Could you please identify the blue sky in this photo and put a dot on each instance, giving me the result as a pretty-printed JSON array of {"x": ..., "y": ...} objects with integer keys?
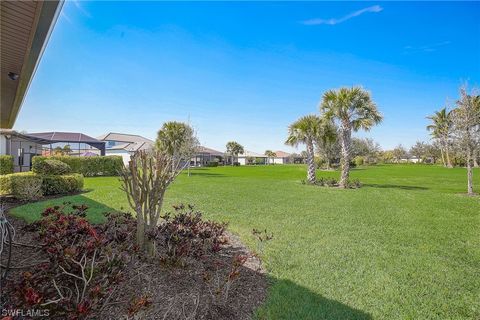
[{"x": 245, "y": 71}]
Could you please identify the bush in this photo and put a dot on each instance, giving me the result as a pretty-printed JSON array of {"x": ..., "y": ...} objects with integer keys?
[
  {"x": 83, "y": 265},
  {"x": 51, "y": 167},
  {"x": 88, "y": 166},
  {"x": 31, "y": 186},
  {"x": 21, "y": 185},
  {"x": 71, "y": 183},
  {"x": 186, "y": 234},
  {"x": 212, "y": 164},
  {"x": 236, "y": 164},
  {"x": 6, "y": 164},
  {"x": 359, "y": 160}
]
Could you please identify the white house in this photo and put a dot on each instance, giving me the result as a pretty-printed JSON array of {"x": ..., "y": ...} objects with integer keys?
[
  {"x": 250, "y": 157},
  {"x": 281, "y": 157},
  {"x": 124, "y": 145}
]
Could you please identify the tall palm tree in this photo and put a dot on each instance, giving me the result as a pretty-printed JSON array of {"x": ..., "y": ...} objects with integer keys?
[
  {"x": 354, "y": 109},
  {"x": 304, "y": 131},
  {"x": 441, "y": 129},
  {"x": 270, "y": 155},
  {"x": 234, "y": 149}
]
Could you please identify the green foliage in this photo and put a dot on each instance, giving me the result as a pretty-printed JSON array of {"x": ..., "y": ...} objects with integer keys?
[
  {"x": 359, "y": 161},
  {"x": 87, "y": 166},
  {"x": 32, "y": 186},
  {"x": 62, "y": 184},
  {"x": 50, "y": 167},
  {"x": 21, "y": 185},
  {"x": 212, "y": 164},
  {"x": 6, "y": 164}
]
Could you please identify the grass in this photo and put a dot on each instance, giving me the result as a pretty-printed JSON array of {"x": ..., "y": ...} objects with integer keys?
[{"x": 404, "y": 246}]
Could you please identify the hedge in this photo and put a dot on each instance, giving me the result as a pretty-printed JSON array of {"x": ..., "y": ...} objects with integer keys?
[
  {"x": 32, "y": 186},
  {"x": 6, "y": 164},
  {"x": 51, "y": 167},
  {"x": 88, "y": 166},
  {"x": 58, "y": 184}
]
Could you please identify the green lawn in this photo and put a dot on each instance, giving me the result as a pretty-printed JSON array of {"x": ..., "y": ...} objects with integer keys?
[{"x": 404, "y": 246}]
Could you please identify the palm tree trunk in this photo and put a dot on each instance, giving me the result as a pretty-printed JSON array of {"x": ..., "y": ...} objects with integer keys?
[
  {"x": 311, "y": 163},
  {"x": 449, "y": 164},
  {"x": 346, "y": 136},
  {"x": 469, "y": 172},
  {"x": 443, "y": 156}
]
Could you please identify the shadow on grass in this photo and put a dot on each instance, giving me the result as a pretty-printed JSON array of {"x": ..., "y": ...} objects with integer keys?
[
  {"x": 31, "y": 212},
  {"x": 288, "y": 300},
  {"x": 206, "y": 174},
  {"x": 393, "y": 186}
]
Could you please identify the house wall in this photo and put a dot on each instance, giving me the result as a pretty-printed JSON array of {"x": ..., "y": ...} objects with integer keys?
[
  {"x": 278, "y": 160},
  {"x": 22, "y": 151},
  {"x": 3, "y": 145},
  {"x": 241, "y": 160},
  {"x": 123, "y": 153}
]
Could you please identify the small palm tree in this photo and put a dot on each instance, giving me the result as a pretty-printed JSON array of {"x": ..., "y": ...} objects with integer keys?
[
  {"x": 441, "y": 129},
  {"x": 234, "y": 149},
  {"x": 326, "y": 140},
  {"x": 304, "y": 131},
  {"x": 178, "y": 140},
  {"x": 354, "y": 109},
  {"x": 270, "y": 155}
]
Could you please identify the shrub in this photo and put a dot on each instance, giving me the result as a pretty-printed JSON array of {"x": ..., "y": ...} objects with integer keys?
[
  {"x": 50, "y": 167},
  {"x": 6, "y": 164},
  {"x": 186, "y": 234},
  {"x": 236, "y": 164},
  {"x": 354, "y": 184},
  {"x": 21, "y": 185},
  {"x": 88, "y": 166},
  {"x": 71, "y": 183},
  {"x": 31, "y": 186},
  {"x": 212, "y": 164},
  {"x": 359, "y": 161},
  {"x": 81, "y": 268}
]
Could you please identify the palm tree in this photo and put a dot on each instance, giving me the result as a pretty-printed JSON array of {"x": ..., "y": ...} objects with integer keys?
[
  {"x": 354, "y": 109},
  {"x": 304, "y": 131},
  {"x": 270, "y": 154},
  {"x": 178, "y": 140},
  {"x": 326, "y": 140},
  {"x": 441, "y": 128},
  {"x": 234, "y": 149}
]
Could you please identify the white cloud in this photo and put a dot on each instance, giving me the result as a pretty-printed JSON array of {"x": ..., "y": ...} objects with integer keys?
[
  {"x": 425, "y": 48},
  {"x": 333, "y": 21}
]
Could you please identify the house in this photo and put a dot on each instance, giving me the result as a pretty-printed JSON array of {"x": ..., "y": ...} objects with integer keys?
[
  {"x": 24, "y": 146},
  {"x": 281, "y": 157},
  {"x": 125, "y": 145},
  {"x": 250, "y": 157},
  {"x": 26, "y": 28},
  {"x": 205, "y": 155}
]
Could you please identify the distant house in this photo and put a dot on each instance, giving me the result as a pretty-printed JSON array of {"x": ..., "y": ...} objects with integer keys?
[
  {"x": 281, "y": 157},
  {"x": 250, "y": 157},
  {"x": 125, "y": 145},
  {"x": 24, "y": 146},
  {"x": 205, "y": 155}
]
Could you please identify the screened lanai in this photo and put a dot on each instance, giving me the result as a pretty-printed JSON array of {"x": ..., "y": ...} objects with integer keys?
[{"x": 73, "y": 143}]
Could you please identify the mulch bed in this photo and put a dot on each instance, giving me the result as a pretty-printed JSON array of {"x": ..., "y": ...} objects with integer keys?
[{"x": 152, "y": 290}]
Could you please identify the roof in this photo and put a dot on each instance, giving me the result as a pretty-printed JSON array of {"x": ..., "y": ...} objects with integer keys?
[
  {"x": 25, "y": 29},
  {"x": 132, "y": 147},
  {"x": 65, "y": 137},
  {"x": 206, "y": 150},
  {"x": 252, "y": 154},
  {"x": 25, "y": 136},
  {"x": 282, "y": 154},
  {"x": 123, "y": 137}
]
